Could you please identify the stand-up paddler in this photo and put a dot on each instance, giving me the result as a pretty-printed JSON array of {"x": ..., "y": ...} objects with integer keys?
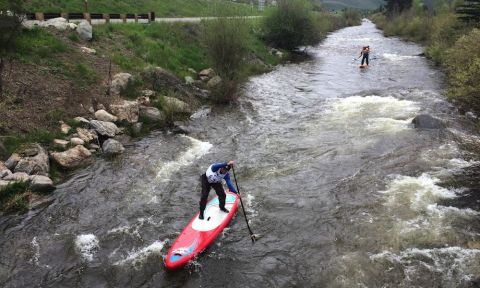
[{"x": 212, "y": 178}]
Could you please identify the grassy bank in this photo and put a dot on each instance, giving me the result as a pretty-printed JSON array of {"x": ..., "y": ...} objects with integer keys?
[
  {"x": 449, "y": 42},
  {"x": 163, "y": 8}
]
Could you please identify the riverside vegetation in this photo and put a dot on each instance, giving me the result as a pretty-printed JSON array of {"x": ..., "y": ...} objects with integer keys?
[
  {"x": 451, "y": 40},
  {"x": 159, "y": 71}
]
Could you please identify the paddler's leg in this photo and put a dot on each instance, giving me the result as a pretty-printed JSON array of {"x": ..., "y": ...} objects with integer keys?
[
  {"x": 205, "y": 191},
  {"x": 221, "y": 196}
]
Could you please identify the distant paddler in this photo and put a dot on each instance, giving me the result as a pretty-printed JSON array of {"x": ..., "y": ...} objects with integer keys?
[{"x": 365, "y": 52}]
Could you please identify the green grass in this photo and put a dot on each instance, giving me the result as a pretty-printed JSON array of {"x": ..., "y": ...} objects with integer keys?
[
  {"x": 14, "y": 197},
  {"x": 42, "y": 136},
  {"x": 162, "y": 8}
]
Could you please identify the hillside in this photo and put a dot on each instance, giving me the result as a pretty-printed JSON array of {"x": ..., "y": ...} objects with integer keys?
[
  {"x": 163, "y": 8},
  {"x": 357, "y": 4}
]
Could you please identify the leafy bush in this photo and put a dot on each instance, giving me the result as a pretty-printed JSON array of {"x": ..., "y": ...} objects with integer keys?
[
  {"x": 290, "y": 25},
  {"x": 463, "y": 67}
]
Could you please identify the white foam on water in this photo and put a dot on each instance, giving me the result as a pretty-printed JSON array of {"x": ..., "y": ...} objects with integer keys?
[
  {"x": 372, "y": 113},
  {"x": 137, "y": 257},
  {"x": 87, "y": 246},
  {"x": 415, "y": 192},
  {"x": 396, "y": 57},
  {"x": 133, "y": 230},
  {"x": 455, "y": 265},
  {"x": 36, "y": 252},
  {"x": 197, "y": 150}
]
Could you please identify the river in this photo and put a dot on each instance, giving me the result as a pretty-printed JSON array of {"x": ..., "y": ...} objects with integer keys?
[{"x": 341, "y": 188}]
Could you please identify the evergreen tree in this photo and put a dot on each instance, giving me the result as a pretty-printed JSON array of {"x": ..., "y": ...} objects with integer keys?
[
  {"x": 470, "y": 11},
  {"x": 394, "y": 7}
]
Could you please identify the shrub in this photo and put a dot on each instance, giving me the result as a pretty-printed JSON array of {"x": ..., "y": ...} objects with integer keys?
[
  {"x": 463, "y": 67},
  {"x": 290, "y": 25}
]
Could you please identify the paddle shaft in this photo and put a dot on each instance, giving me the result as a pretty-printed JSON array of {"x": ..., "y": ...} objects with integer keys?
[{"x": 243, "y": 209}]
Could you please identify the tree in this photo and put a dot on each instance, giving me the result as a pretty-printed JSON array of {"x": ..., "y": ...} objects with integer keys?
[
  {"x": 11, "y": 17},
  {"x": 397, "y": 6},
  {"x": 469, "y": 11}
]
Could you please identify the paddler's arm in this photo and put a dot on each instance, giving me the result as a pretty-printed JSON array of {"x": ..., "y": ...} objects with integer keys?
[
  {"x": 217, "y": 166},
  {"x": 229, "y": 183}
]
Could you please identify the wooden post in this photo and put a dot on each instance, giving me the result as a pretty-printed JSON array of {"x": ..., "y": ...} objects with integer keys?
[
  {"x": 106, "y": 17},
  {"x": 64, "y": 15},
  {"x": 123, "y": 17},
  {"x": 87, "y": 15},
  {"x": 136, "y": 18},
  {"x": 39, "y": 16}
]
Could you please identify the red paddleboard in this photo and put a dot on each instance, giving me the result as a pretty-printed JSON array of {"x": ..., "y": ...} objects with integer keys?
[
  {"x": 363, "y": 66},
  {"x": 199, "y": 234}
]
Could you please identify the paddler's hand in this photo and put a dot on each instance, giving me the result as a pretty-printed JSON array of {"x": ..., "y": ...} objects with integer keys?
[{"x": 230, "y": 163}]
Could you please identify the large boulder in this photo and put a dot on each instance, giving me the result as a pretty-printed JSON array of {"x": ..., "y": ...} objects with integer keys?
[
  {"x": 425, "y": 121},
  {"x": 103, "y": 115},
  {"x": 41, "y": 184},
  {"x": 18, "y": 176},
  {"x": 12, "y": 161},
  {"x": 126, "y": 111},
  {"x": 175, "y": 105},
  {"x": 120, "y": 81},
  {"x": 112, "y": 147},
  {"x": 151, "y": 114},
  {"x": 33, "y": 160},
  {"x": 72, "y": 157},
  {"x": 4, "y": 171},
  {"x": 59, "y": 23},
  {"x": 206, "y": 74},
  {"x": 60, "y": 143},
  {"x": 85, "y": 30},
  {"x": 87, "y": 135},
  {"x": 107, "y": 129}
]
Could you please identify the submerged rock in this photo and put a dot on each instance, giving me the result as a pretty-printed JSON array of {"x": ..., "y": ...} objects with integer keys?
[
  {"x": 112, "y": 147},
  {"x": 425, "y": 121}
]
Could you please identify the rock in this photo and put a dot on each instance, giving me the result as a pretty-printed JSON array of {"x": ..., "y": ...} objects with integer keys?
[
  {"x": 180, "y": 128},
  {"x": 206, "y": 74},
  {"x": 81, "y": 120},
  {"x": 87, "y": 135},
  {"x": 34, "y": 160},
  {"x": 144, "y": 101},
  {"x": 4, "y": 171},
  {"x": 189, "y": 80},
  {"x": 100, "y": 106},
  {"x": 214, "y": 82},
  {"x": 77, "y": 141},
  {"x": 126, "y": 111},
  {"x": 41, "y": 184},
  {"x": 65, "y": 128},
  {"x": 85, "y": 30},
  {"x": 58, "y": 23},
  {"x": 59, "y": 143},
  {"x": 12, "y": 161},
  {"x": 88, "y": 50},
  {"x": 103, "y": 115},
  {"x": 112, "y": 147},
  {"x": 94, "y": 146},
  {"x": 151, "y": 114},
  {"x": 72, "y": 157},
  {"x": 472, "y": 116},
  {"x": 18, "y": 176},
  {"x": 163, "y": 80},
  {"x": 120, "y": 81},
  {"x": 148, "y": 93},
  {"x": 72, "y": 26},
  {"x": 178, "y": 106},
  {"x": 425, "y": 121},
  {"x": 103, "y": 128}
]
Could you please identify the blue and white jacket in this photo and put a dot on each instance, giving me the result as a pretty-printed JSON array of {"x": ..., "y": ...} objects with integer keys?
[{"x": 214, "y": 176}]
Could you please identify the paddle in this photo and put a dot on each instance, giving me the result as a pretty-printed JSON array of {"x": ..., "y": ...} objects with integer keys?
[{"x": 252, "y": 236}]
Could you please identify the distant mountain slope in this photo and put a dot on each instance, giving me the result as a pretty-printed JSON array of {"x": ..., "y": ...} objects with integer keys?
[
  {"x": 358, "y": 4},
  {"x": 162, "y": 8}
]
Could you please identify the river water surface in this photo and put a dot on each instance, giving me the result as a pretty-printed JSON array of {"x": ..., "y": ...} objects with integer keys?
[{"x": 341, "y": 188}]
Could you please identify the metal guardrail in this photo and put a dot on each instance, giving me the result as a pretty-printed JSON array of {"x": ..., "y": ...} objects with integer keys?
[{"x": 92, "y": 16}]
